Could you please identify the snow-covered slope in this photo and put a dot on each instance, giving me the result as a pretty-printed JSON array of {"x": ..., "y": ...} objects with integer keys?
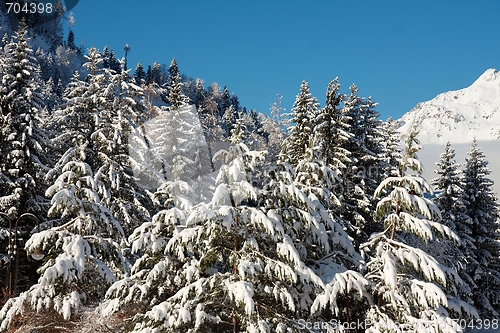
[{"x": 458, "y": 116}]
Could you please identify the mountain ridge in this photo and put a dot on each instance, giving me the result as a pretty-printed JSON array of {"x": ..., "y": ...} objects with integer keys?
[{"x": 459, "y": 116}]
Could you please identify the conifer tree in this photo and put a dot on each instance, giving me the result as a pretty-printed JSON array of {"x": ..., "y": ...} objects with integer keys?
[
  {"x": 175, "y": 96},
  {"x": 82, "y": 248},
  {"x": 155, "y": 275},
  {"x": 156, "y": 75},
  {"x": 140, "y": 75},
  {"x": 233, "y": 250},
  {"x": 71, "y": 40},
  {"x": 200, "y": 93},
  {"x": 117, "y": 107},
  {"x": 347, "y": 138},
  {"x": 333, "y": 129},
  {"x": 23, "y": 161},
  {"x": 450, "y": 199},
  {"x": 482, "y": 208},
  {"x": 149, "y": 75},
  {"x": 225, "y": 101},
  {"x": 302, "y": 200},
  {"x": 72, "y": 118},
  {"x": 410, "y": 288},
  {"x": 114, "y": 64},
  {"x": 451, "y": 195},
  {"x": 365, "y": 143},
  {"x": 229, "y": 118},
  {"x": 390, "y": 154},
  {"x": 106, "y": 109},
  {"x": 105, "y": 57},
  {"x": 303, "y": 117}
]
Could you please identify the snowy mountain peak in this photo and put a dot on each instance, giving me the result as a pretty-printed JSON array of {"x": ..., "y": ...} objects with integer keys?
[
  {"x": 490, "y": 75},
  {"x": 459, "y": 116}
]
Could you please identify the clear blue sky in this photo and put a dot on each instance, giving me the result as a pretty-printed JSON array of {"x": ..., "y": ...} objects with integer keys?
[{"x": 398, "y": 52}]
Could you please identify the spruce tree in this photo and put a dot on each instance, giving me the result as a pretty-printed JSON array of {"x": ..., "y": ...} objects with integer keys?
[
  {"x": 229, "y": 118},
  {"x": 83, "y": 255},
  {"x": 140, "y": 75},
  {"x": 200, "y": 93},
  {"x": 105, "y": 57},
  {"x": 71, "y": 40},
  {"x": 482, "y": 208},
  {"x": 333, "y": 129},
  {"x": 301, "y": 199},
  {"x": 365, "y": 144},
  {"x": 450, "y": 198},
  {"x": 175, "y": 96},
  {"x": 410, "y": 287},
  {"x": 116, "y": 105},
  {"x": 156, "y": 75},
  {"x": 149, "y": 75},
  {"x": 239, "y": 271},
  {"x": 390, "y": 154},
  {"x": 114, "y": 64},
  {"x": 156, "y": 276},
  {"x": 23, "y": 160},
  {"x": 225, "y": 101},
  {"x": 106, "y": 108},
  {"x": 353, "y": 137},
  {"x": 303, "y": 117}
]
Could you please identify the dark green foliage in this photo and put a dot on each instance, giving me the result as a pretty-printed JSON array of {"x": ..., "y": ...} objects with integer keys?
[
  {"x": 140, "y": 75},
  {"x": 303, "y": 119},
  {"x": 482, "y": 208}
]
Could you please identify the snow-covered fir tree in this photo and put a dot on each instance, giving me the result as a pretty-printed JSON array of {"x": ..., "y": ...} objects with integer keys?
[
  {"x": 366, "y": 140},
  {"x": 366, "y": 146},
  {"x": 242, "y": 272},
  {"x": 390, "y": 155},
  {"x": 350, "y": 140},
  {"x": 140, "y": 75},
  {"x": 301, "y": 198},
  {"x": 83, "y": 248},
  {"x": 72, "y": 118},
  {"x": 22, "y": 157},
  {"x": 303, "y": 119},
  {"x": 175, "y": 97},
  {"x": 333, "y": 129},
  {"x": 450, "y": 199},
  {"x": 450, "y": 196},
  {"x": 410, "y": 288},
  {"x": 229, "y": 119},
  {"x": 483, "y": 209},
  {"x": 157, "y": 274},
  {"x": 116, "y": 105}
]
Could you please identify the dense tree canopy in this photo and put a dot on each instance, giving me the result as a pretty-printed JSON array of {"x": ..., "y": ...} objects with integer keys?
[{"x": 159, "y": 194}]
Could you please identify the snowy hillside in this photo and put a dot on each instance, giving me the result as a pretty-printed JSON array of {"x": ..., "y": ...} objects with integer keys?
[{"x": 458, "y": 116}]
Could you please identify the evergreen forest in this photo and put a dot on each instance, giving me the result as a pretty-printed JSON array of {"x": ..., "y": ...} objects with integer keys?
[{"x": 152, "y": 198}]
